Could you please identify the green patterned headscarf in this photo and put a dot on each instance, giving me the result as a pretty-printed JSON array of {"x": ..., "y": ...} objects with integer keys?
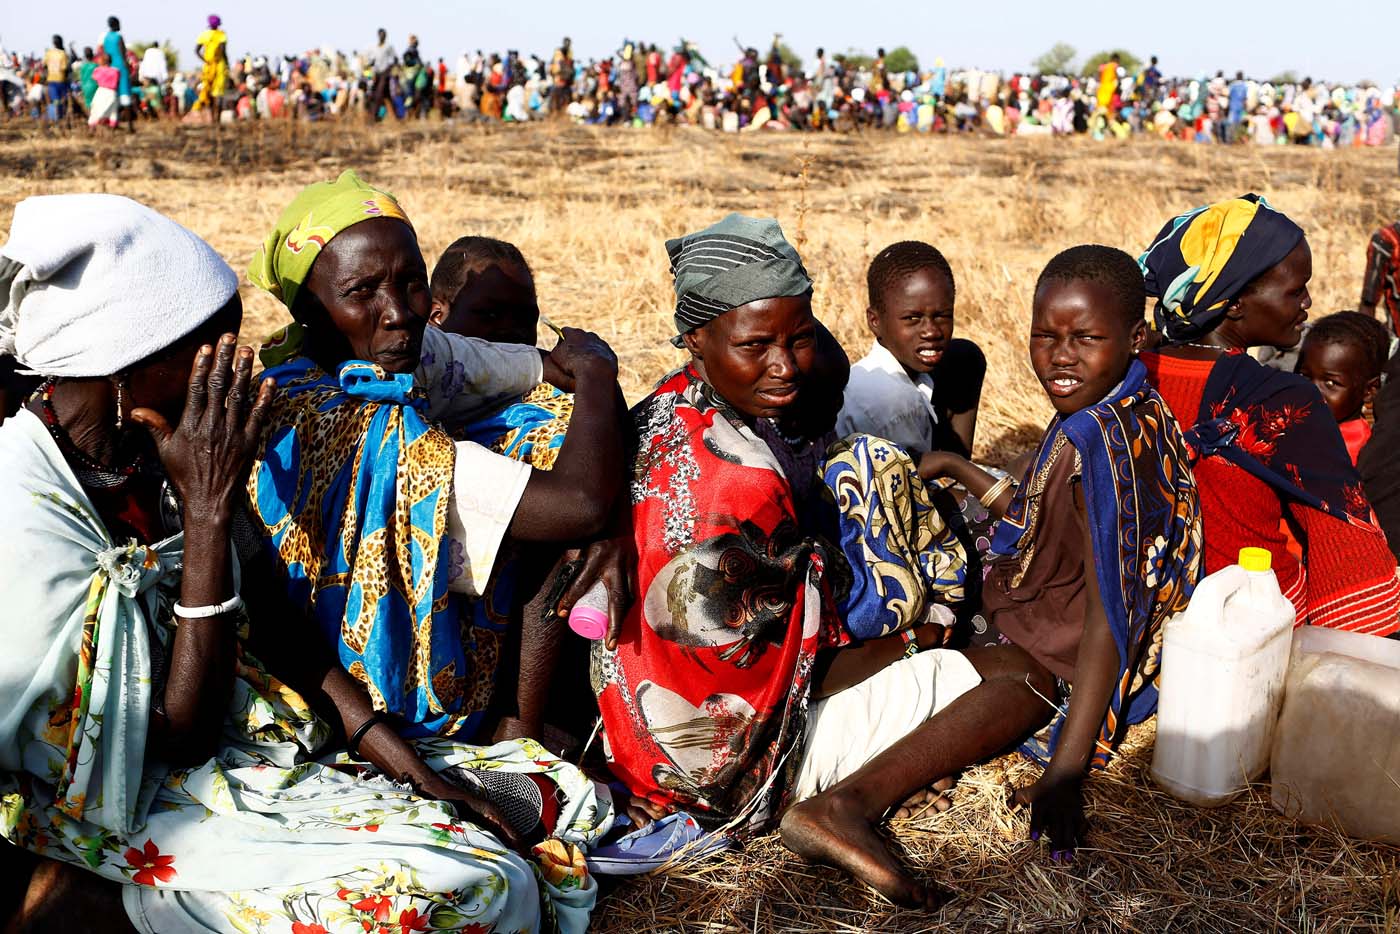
[{"x": 304, "y": 228}]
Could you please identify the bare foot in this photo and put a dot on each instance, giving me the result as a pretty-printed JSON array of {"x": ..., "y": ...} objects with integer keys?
[
  {"x": 926, "y": 799},
  {"x": 820, "y": 830}
]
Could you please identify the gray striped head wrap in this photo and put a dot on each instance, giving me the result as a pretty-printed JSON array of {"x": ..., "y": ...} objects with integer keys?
[{"x": 736, "y": 261}]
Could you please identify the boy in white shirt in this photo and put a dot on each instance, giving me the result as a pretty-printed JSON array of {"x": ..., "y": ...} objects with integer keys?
[{"x": 917, "y": 387}]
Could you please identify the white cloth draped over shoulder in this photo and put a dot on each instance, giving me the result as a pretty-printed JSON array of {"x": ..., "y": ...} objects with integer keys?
[
  {"x": 264, "y": 836},
  {"x": 466, "y": 378}
]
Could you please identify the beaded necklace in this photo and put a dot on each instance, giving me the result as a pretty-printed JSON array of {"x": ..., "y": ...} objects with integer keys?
[{"x": 89, "y": 471}]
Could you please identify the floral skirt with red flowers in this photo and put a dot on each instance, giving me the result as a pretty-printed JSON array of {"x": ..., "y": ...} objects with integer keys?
[
  {"x": 246, "y": 842},
  {"x": 278, "y": 832}
]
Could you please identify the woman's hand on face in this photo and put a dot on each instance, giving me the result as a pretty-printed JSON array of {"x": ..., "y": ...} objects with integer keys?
[
  {"x": 612, "y": 561},
  {"x": 578, "y": 354},
  {"x": 208, "y": 454},
  {"x": 1057, "y": 808}
]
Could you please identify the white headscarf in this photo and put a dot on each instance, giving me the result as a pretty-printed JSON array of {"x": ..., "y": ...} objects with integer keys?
[{"x": 94, "y": 283}]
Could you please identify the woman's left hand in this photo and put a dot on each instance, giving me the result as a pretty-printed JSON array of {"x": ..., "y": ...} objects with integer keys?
[
  {"x": 208, "y": 454},
  {"x": 1057, "y": 808},
  {"x": 612, "y": 561}
]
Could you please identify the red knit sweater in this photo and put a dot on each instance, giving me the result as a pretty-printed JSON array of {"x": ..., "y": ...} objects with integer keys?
[{"x": 1347, "y": 578}]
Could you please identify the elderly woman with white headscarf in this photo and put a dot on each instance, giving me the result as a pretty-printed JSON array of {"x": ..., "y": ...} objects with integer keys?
[{"x": 140, "y": 739}]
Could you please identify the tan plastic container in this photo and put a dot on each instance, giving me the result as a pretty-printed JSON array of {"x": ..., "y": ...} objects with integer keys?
[{"x": 1336, "y": 755}]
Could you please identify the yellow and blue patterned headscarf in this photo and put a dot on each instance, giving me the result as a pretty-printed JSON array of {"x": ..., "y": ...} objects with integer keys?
[
  {"x": 303, "y": 229},
  {"x": 1203, "y": 259}
]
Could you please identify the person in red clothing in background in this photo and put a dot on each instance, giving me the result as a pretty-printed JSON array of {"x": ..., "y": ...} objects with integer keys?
[
  {"x": 1269, "y": 456},
  {"x": 1343, "y": 356}
]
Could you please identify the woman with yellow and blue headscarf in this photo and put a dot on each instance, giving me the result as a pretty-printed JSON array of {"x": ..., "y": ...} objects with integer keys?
[{"x": 1270, "y": 462}]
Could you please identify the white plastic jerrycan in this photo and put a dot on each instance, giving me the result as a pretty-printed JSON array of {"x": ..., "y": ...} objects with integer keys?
[
  {"x": 1223, "y": 665},
  {"x": 1336, "y": 754}
]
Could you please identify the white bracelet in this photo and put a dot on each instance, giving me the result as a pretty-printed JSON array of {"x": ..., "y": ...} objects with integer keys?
[{"x": 214, "y": 609}]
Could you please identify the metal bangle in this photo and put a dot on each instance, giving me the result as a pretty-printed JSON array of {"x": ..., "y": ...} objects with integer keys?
[
  {"x": 353, "y": 745},
  {"x": 995, "y": 491}
]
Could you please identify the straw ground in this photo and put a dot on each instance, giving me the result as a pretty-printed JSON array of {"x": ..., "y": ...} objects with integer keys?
[{"x": 590, "y": 209}]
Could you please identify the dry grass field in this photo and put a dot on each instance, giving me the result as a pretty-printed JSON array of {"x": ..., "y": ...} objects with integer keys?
[{"x": 590, "y": 209}]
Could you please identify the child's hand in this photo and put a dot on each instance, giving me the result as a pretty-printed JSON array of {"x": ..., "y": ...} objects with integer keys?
[{"x": 1057, "y": 808}]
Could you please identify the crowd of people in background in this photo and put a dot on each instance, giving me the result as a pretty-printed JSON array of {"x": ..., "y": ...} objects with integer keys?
[{"x": 641, "y": 84}]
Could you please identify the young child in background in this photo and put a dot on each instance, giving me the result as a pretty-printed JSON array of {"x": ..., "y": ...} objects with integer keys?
[
  {"x": 483, "y": 287},
  {"x": 1343, "y": 356},
  {"x": 918, "y": 386}
]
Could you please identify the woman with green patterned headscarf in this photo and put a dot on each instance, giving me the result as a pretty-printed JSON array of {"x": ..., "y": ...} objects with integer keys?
[
  {"x": 387, "y": 530},
  {"x": 379, "y": 519}
]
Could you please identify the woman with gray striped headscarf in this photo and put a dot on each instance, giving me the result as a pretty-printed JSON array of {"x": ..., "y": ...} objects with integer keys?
[{"x": 764, "y": 545}]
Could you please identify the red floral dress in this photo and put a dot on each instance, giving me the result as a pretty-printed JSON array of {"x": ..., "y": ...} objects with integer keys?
[
  {"x": 1273, "y": 472},
  {"x": 704, "y": 700}
]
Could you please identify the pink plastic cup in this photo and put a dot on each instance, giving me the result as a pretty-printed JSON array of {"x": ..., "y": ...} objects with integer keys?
[{"x": 588, "y": 622}]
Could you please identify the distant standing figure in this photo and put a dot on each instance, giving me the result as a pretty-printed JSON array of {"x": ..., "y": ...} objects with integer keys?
[
  {"x": 1108, "y": 82},
  {"x": 115, "y": 47},
  {"x": 153, "y": 66},
  {"x": 56, "y": 67},
  {"x": 212, "y": 49},
  {"x": 384, "y": 60},
  {"x": 107, "y": 79},
  {"x": 85, "y": 80}
]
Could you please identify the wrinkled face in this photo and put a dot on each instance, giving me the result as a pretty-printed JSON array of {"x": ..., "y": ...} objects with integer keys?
[
  {"x": 915, "y": 322},
  {"x": 497, "y": 304},
  {"x": 1339, "y": 373},
  {"x": 162, "y": 380},
  {"x": 1273, "y": 309},
  {"x": 1081, "y": 343},
  {"x": 756, "y": 356},
  {"x": 370, "y": 287}
]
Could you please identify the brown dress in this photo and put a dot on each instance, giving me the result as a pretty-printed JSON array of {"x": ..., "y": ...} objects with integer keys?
[{"x": 1035, "y": 599}]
